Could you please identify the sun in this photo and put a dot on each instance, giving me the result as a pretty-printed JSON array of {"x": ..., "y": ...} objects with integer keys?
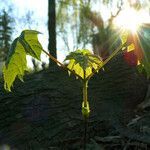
[{"x": 128, "y": 19}]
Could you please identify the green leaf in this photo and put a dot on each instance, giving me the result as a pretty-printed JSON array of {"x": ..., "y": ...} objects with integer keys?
[
  {"x": 82, "y": 62},
  {"x": 29, "y": 40},
  {"x": 16, "y": 64},
  {"x": 124, "y": 37},
  {"x": 144, "y": 34}
]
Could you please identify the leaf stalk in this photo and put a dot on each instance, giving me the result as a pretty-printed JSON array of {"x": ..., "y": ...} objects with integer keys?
[
  {"x": 62, "y": 65},
  {"x": 107, "y": 60}
]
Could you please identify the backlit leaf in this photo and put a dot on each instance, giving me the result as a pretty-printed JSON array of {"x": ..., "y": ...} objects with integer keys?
[
  {"x": 30, "y": 41},
  {"x": 16, "y": 64},
  {"x": 124, "y": 37},
  {"x": 82, "y": 62},
  {"x": 131, "y": 47}
]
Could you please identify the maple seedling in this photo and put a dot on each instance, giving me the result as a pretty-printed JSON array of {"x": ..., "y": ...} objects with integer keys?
[{"x": 81, "y": 63}]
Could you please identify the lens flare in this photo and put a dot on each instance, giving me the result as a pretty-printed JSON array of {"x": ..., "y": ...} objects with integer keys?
[{"x": 128, "y": 19}]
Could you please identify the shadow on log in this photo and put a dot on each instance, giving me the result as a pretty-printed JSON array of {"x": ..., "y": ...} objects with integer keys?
[{"x": 45, "y": 110}]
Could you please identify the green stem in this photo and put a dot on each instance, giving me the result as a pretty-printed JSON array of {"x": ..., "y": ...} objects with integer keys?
[
  {"x": 85, "y": 104},
  {"x": 85, "y": 132},
  {"x": 85, "y": 111},
  {"x": 107, "y": 60},
  {"x": 54, "y": 59},
  {"x": 62, "y": 65},
  {"x": 85, "y": 85}
]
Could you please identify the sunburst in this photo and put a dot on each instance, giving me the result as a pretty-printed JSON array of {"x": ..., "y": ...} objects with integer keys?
[{"x": 128, "y": 19}]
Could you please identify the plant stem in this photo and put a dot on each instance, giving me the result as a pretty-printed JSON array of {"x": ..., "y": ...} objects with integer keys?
[
  {"x": 85, "y": 86},
  {"x": 62, "y": 65},
  {"x": 85, "y": 100},
  {"x": 85, "y": 132},
  {"x": 54, "y": 59},
  {"x": 106, "y": 61}
]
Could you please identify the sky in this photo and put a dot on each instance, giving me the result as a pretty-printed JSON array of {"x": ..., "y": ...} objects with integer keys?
[
  {"x": 40, "y": 12},
  {"x": 39, "y": 9}
]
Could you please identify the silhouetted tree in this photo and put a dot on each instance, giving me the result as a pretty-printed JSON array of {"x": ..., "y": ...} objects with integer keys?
[
  {"x": 52, "y": 29},
  {"x": 5, "y": 34}
]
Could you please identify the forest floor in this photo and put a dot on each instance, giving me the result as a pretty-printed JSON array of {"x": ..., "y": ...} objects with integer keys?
[{"x": 44, "y": 112}]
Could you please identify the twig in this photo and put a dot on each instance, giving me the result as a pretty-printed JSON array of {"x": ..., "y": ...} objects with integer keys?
[
  {"x": 106, "y": 61},
  {"x": 62, "y": 65}
]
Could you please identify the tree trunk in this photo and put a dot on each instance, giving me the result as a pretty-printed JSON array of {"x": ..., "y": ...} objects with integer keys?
[{"x": 52, "y": 30}]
